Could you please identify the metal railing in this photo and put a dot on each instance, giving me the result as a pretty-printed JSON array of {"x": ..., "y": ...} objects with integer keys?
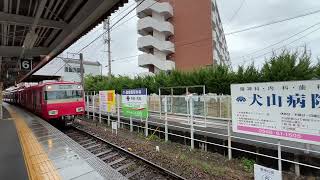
[{"x": 207, "y": 114}]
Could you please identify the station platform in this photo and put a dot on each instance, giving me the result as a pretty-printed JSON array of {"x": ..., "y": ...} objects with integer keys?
[
  {"x": 12, "y": 164},
  {"x": 31, "y": 148}
]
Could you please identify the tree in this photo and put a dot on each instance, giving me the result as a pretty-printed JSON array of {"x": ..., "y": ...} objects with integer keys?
[
  {"x": 288, "y": 66},
  {"x": 285, "y": 66},
  {"x": 317, "y": 70}
]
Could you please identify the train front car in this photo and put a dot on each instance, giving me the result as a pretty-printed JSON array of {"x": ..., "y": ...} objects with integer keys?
[{"x": 63, "y": 102}]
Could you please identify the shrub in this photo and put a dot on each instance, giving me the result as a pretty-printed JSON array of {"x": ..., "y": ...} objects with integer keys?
[{"x": 285, "y": 66}]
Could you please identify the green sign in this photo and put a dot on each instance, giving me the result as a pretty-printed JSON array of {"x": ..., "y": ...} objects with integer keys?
[{"x": 134, "y": 103}]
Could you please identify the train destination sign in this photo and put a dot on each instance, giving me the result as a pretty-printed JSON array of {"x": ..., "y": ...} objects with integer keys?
[
  {"x": 134, "y": 103},
  {"x": 65, "y": 86},
  {"x": 283, "y": 110}
]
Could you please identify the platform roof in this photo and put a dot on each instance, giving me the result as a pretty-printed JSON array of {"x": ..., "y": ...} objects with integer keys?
[{"x": 42, "y": 29}]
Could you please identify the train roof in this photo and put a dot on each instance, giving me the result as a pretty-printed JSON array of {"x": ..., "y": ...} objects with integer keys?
[
  {"x": 39, "y": 85},
  {"x": 58, "y": 82},
  {"x": 51, "y": 83}
]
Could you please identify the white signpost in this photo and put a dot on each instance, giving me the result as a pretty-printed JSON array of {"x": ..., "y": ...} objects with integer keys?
[
  {"x": 264, "y": 173},
  {"x": 282, "y": 110},
  {"x": 114, "y": 126}
]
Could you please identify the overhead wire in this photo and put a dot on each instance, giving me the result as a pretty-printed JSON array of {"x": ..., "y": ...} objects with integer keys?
[
  {"x": 279, "y": 42},
  {"x": 114, "y": 24},
  {"x": 254, "y": 58},
  {"x": 236, "y": 12},
  {"x": 130, "y": 18},
  {"x": 200, "y": 40},
  {"x": 271, "y": 23},
  {"x": 234, "y": 32},
  {"x": 129, "y": 6},
  {"x": 174, "y": 46},
  {"x": 107, "y": 30}
]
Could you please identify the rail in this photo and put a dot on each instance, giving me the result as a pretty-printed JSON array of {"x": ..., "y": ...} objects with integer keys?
[{"x": 112, "y": 149}]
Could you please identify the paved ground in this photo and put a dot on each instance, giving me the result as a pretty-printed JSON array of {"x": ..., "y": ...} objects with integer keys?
[{"x": 12, "y": 165}]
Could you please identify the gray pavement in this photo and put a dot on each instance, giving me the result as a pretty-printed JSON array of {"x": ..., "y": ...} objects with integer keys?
[{"x": 12, "y": 165}]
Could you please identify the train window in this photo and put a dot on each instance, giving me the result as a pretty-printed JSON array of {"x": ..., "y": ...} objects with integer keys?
[{"x": 67, "y": 94}]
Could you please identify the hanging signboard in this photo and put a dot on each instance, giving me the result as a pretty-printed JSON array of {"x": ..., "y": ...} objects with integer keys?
[
  {"x": 107, "y": 100},
  {"x": 26, "y": 64},
  {"x": 134, "y": 103},
  {"x": 283, "y": 110}
]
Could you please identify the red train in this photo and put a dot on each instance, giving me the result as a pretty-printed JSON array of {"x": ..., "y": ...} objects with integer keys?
[{"x": 52, "y": 101}]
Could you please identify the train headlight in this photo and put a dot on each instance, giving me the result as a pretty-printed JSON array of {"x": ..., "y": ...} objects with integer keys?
[
  {"x": 52, "y": 112},
  {"x": 79, "y": 109}
]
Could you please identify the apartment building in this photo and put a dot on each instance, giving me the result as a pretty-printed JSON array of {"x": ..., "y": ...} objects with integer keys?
[{"x": 180, "y": 34}]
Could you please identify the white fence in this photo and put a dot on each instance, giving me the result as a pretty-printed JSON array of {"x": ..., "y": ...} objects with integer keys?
[{"x": 208, "y": 115}]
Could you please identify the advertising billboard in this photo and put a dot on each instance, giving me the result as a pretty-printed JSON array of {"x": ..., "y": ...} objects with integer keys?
[
  {"x": 134, "y": 103},
  {"x": 283, "y": 110},
  {"x": 107, "y": 100}
]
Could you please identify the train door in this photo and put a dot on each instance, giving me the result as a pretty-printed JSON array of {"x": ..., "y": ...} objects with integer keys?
[
  {"x": 34, "y": 100},
  {"x": 40, "y": 100}
]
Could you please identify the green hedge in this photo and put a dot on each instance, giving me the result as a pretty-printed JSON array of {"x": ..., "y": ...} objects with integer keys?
[{"x": 285, "y": 66}]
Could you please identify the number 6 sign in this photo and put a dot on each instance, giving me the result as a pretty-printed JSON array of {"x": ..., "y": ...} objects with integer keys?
[{"x": 26, "y": 64}]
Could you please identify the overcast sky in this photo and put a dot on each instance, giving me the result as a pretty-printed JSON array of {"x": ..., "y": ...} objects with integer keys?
[{"x": 252, "y": 12}]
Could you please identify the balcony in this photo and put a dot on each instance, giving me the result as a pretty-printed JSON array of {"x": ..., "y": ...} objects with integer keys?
[
  {"x": 148, "y": 59},
  {"x": 147, "y": 42},
  {"x": 148, "y": 24},
  {"x": 149, "y": 6}
]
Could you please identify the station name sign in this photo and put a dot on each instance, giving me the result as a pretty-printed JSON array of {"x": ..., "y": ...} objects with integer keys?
[{"x": 283, "y": 110}]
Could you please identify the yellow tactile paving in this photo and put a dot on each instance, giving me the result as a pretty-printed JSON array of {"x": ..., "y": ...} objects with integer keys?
[{"x": 37, "y": 162}]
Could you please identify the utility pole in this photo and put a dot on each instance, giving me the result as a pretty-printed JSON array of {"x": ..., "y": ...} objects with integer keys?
[
  {"x": 81, "y": 70},
  {"x": 107, "y": 40}
]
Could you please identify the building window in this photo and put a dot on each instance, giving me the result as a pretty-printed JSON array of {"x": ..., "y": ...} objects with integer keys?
[{"x": 72, "y": 69}]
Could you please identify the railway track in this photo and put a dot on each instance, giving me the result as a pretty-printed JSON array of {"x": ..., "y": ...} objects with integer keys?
[{"x": 123, "y": 161}]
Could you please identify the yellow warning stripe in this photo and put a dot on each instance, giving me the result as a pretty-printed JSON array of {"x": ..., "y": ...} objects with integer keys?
[{"x": 38, "y": 164}]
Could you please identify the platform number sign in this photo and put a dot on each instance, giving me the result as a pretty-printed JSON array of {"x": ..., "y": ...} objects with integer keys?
[{"x": 26, "y": 64}]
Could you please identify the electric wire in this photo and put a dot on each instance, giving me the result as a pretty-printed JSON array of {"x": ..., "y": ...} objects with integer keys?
[
  {"x": 279, "y": 42},
  {"x": 254, "y": 58},
  {"x": 234, "y": 32},
  {"x": 107, "y": 30},
  {"x": 200, "y": 40},
  {"x": 114, "y": 25},
  {"x": 129, "y": 6},
  {"x": 271, "y": 23},
  {"x": 236, "y": 12},
  {"x": 204, "y": 39}
]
